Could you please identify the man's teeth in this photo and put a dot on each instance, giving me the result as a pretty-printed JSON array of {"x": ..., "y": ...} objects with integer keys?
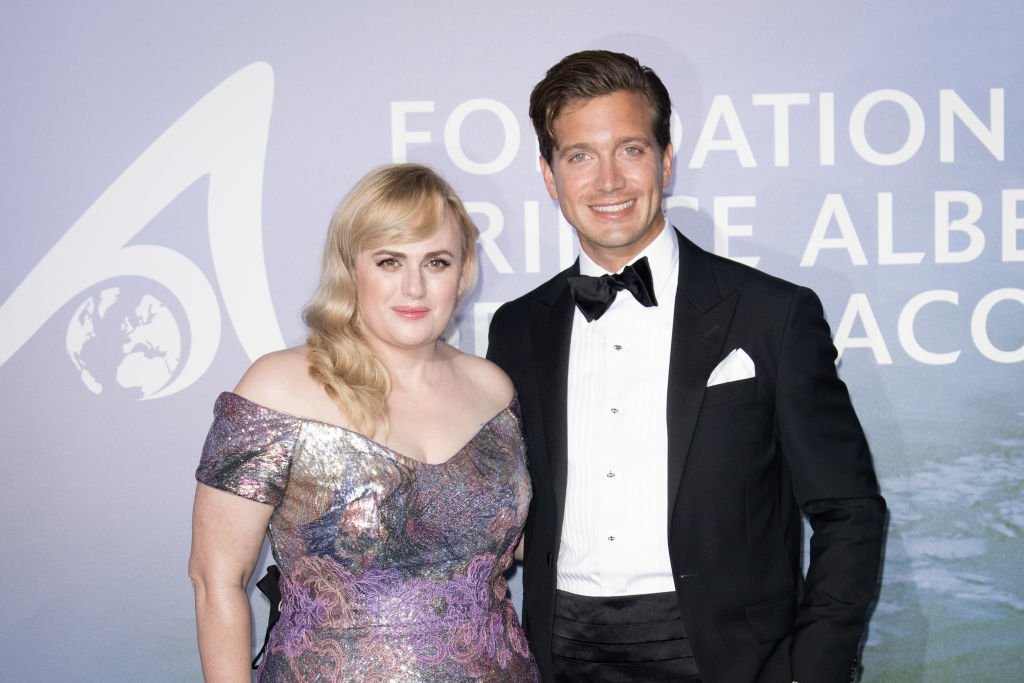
[{"x": 614, "y": 207}]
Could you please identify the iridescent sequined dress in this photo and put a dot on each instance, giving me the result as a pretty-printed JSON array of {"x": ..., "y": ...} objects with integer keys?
[{"x": 392, "y": 569}]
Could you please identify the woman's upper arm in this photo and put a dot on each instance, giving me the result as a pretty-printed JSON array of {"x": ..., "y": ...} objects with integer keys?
[{"x": 227, "y": 535}]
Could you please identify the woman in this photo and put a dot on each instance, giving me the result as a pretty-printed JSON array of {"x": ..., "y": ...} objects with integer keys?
[{"x": 387, "y": 468}]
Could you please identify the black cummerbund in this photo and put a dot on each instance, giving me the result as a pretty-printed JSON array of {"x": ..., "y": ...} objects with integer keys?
[{"x": 627, "y": 638}]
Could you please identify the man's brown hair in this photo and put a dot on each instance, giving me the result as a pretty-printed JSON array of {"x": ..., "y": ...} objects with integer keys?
[{"x": 585, "y": 75}]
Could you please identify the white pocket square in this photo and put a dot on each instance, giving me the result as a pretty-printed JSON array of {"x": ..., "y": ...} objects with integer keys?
[{"x": 736, "y": 366}]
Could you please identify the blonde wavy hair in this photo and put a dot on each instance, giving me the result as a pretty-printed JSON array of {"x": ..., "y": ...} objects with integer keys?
[{"x": 393, "y": 204}]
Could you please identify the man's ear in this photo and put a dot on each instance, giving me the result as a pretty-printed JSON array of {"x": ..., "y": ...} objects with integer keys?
[
  {"x": 549, "y": 178},
  {"x": 666, "y": 166}
]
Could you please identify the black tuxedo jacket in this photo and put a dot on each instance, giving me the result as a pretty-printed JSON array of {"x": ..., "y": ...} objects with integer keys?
[{"x": 745, "y": 460}]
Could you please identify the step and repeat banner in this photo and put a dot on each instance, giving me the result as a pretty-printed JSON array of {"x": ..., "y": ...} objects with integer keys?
[{"x": 168, "y": 171}]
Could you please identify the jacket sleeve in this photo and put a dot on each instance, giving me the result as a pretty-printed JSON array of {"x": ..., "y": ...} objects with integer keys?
[
  {"x": 835, "y": 485},
  {"x": 500, "y": 339}
]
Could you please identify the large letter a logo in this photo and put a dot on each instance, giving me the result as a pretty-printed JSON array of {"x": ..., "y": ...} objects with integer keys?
[{"x": 223, "y": 135}]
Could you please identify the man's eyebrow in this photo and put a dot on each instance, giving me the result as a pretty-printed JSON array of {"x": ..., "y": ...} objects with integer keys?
[
  {"x": 644, "y": 140},
  {"x": 577, "y": 147}
]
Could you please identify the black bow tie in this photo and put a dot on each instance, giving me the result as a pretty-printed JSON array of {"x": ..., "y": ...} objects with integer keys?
[{"x": 594, "y": 295}]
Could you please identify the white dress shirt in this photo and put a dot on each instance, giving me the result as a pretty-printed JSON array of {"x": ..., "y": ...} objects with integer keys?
[{"x": 615, "y": 533}]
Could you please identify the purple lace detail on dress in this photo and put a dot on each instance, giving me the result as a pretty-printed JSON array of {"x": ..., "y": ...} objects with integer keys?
[{"x": 392, "y": 569}]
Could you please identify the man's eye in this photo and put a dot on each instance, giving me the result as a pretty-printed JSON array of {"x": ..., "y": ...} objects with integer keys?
[
  {"x": 633, "y": 150},
  {"x": 579, "y": 156}
]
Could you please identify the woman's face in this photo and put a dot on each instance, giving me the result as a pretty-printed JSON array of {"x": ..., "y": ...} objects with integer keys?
[{"x": 406, "y": 292}]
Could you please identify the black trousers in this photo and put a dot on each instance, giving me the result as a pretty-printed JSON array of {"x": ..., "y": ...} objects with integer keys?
[{"x": 629, "y": 638}]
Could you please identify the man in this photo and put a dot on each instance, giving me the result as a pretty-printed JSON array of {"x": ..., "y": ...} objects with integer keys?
[{"x": 677, "y": 434}]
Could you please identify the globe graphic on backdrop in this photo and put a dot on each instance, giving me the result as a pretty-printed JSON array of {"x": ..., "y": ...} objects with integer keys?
[{"x": 124, "y": 340}]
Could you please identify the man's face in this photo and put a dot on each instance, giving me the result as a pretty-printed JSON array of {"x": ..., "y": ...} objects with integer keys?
[{"x": 607, "y": 174}]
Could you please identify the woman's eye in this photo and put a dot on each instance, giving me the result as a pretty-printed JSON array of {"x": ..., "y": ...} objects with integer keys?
[
  {"x": 389, "y": 262},
  {"x": 438, "y": 263}
]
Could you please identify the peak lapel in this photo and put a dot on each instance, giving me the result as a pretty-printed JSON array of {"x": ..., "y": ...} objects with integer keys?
[
  {"x": 550, "y": 333},
  {"x": 701, "y": 321}
]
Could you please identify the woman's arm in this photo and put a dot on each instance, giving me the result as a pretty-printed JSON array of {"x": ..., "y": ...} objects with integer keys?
[{"x": 227, "y": 536}]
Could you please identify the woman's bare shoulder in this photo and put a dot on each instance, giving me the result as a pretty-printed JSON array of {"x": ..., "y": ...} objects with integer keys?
[
  {"x": 486, "y": 381},
  {"x": 280, "y": 380}
]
